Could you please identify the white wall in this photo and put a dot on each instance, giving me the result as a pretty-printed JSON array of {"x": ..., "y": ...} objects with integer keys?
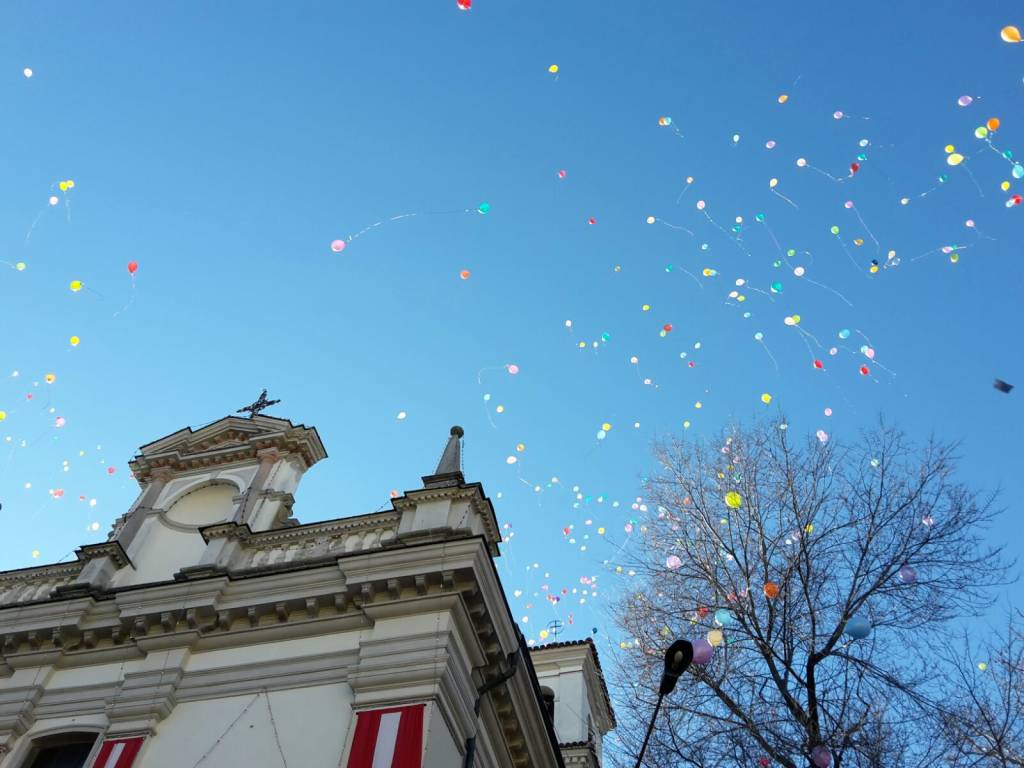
[
  {"x": 441, "y": 750},
  {"x": 312, "y": 724}
]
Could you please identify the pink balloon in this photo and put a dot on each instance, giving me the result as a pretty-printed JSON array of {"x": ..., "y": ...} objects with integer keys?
[
  {"x": 562, "y": 174},
  {"x": 700, "y": 205},
  {"x": 60, "y": 422},
  {"x": 672, "y": 562},
  {"x": 512, "y": 368},
  {"x": 337, "y": 246},
  {"x": 965, "y": 101},
  {"x": 848, "y": 204}
]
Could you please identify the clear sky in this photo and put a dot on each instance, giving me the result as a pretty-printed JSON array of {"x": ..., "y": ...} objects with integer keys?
[{"x": 224, "y": 146}]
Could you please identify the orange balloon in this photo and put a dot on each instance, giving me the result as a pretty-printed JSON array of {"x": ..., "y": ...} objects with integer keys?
[
  {"x": 993, "y": 124},
  {"x": 771, "y": 589}
]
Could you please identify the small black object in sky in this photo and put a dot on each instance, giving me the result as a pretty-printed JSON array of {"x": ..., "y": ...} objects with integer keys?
[{"x": 1002, "y": 386}]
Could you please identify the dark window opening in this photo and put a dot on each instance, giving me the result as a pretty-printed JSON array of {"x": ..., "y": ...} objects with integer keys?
[{"x": 65, "y": 750}]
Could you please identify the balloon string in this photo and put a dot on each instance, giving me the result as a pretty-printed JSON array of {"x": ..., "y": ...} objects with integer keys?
[
  {"x": 131, "y": 300},
  {"x": 675, "y": 226},
  {"x": 688, "y": 185},
  {"x": 769, "y": 353},
  {"x": 833, "y": 290},
  {"x": 848, "y": 254},
  {"x": 871, "y": 234},
  {"x": 779, "y": 194}
]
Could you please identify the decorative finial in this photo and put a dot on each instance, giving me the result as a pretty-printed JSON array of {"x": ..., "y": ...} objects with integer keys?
[
  {"x": 449, "y": 468},
  {"x": 261, "y": 404}
]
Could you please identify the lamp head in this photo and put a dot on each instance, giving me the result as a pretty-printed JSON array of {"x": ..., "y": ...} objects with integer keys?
[{"x": 677, "y": 659}]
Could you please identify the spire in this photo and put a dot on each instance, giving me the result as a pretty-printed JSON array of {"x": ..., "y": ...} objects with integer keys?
[{"x": 449, "y": 468}]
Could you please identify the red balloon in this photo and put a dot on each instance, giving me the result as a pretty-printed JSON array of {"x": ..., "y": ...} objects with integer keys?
[
  {"x": 133, "y": 267},
  {"x": 591, "y": 220},
  {"x": 864, "y": 370},
  {"x": 667, "y": 327},
  {"x": 818, "y": 364},
  {"x": 464, "y": 5},
  {"x": 854, "y": 167}
]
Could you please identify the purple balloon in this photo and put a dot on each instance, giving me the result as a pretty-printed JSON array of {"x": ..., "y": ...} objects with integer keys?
[
  {"x": 821, "y": 757},
  {"x": 908, "y": 574},
  {"x": 702, "y": 651}
]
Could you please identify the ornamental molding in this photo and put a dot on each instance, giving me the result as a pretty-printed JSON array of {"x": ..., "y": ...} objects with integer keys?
[{"x": 230, "y": 440}]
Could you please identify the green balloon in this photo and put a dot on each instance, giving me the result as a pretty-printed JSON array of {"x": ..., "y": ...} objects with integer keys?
[{"x": 484, "y": 208}]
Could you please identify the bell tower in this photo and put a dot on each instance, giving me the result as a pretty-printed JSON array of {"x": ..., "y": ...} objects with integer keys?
[{"x": 235, "y": 470}]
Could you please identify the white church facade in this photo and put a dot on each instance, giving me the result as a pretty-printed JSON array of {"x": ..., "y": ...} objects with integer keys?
[{"x": 212, "y": 629}]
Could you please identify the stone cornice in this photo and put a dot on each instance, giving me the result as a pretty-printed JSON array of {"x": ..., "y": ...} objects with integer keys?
[
  {"x": 230, "y": 440},
  {"x": 111, "y": 549},
  {"x": 471, "y": 492}
]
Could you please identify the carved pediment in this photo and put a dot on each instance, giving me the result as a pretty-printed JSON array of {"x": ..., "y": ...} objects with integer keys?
[{"x": 230, "y": 440}]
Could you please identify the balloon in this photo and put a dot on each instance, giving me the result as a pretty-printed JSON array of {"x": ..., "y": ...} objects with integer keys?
[
  {"x": 771, "y": 590},
  {"x": 464, "y": 5},
  {"x": 844, "y": 334},
  {"x": 770, "y": 144},
  {"x": 75, "y": 341},
  {"x": 773, "y": 183},
  {"x": 606, "y": 427},
  {"x": 864, "y": 370},
  {"x": 464, "y": 274},
  {"x": 1010, "y": 34},
  {"x": 553, "y": 69},
  {"x": 76, "y": 286},
  {"x": 723, "y": 617},
  {"x": 858, "y": 627},
  {"x": 801, "y": 162},
  {"x": 965, "y": 101},
  {"x": 766, "y": 398},
  {"x": 133, "y": 267},
  {"x": 337, "y": 246},
  {"x": 49, "y": 378},
  {"x": 821, "y": 757},
  {"x": 512, "y": 368},
  {"x": 819, "y": 365},
  {"x": 667, "y": 327},
  {"x": 702, "y": 651},
  {"x": 981, "y": 132},
  {"x": 484, "y": 208},
  {"x": 992, "y": 124},
  {"x": 854, "y": 167},
  {"x": 783, "y": 98},
  {"x": 1018, "y": 171},
  {"x": 60, "y": 422},
  {"x": 591, "y": 221},
  {"x": 511, "y": 460},
  {"x": 3, "y": 415},
  {"x": 908, "y": 575},
  {"x": 733, "y": 500},
  {"x": 53, "y": 200},
  {"x": 672, "y": 562},
  {"x": 776, "y": 287},
  {"x": 20, "y": 266},
  {"x": 837, "y": 115},
  {"x": 562, "y": 174},
  {"x": 664, "y": 121},
  {"x": 955, "y": 159},
  {"x": 27, "y": 72},
  {"x": 701, "y": 205},
  {"x": 834, "y": 230},
  {"x": 716, "y": 638}
]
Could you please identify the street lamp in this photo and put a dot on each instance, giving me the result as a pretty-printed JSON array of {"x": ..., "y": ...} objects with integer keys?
[{"x": 677, "y": 659}]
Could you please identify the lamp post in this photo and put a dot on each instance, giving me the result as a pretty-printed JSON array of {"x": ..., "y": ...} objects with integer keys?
[{"x": 677, "y": 659}]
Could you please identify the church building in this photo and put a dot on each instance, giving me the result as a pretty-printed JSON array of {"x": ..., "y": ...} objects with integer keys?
[{"x": 212, "y": 628}]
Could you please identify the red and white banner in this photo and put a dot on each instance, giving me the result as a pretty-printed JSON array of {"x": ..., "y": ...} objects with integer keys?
[
  {"x": 118, "y": 753},
  {"x": 388, "y": 738}
]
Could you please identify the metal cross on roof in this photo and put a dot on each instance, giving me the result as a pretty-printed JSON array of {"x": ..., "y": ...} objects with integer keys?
[{"x": 260, "y": 405}]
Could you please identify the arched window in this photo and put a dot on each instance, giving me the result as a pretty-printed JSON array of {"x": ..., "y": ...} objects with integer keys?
[{"x": 62, "y": 750}]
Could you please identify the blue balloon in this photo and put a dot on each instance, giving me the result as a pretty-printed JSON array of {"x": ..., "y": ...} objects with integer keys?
[
  {"x": 858, "y": 627},
  {"x": 723, "y": 617}
]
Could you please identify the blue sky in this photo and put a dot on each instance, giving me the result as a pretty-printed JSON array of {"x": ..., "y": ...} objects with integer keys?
[{"x": 223, "y": 147}]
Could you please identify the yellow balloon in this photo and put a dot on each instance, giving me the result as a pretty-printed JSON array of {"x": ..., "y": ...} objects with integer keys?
[
  {"x": 3, "y": 415},
  {"x": 715, "y": 637},
  {"x": 1004, "y": 186},
  {"x": 75, "y": 341},
  {"x": 553, "y": 69},
  {"x": 796, "y": 319},
  {"x": 732, "y": 499},
  {"x": 651, "y": 219},
  {"x": 76, "y": 286},
  {"x": 543, "y": 634},
  {"x": 955, "y": 159},
  {"x": 950, "y": 148},
  {"x": 766, "y": 398},
  {"x": 1010, "y": 34},
  {"x": 63, "y": 186},
  {"x": 773, "y": 183},
  {"x": 20, "y": 266},
  {"x": 50, "y": 378},
  {"x": 70, "y": 183},
  {"x": 783, "y": 98},
  {"x": 606, "y": 427}
]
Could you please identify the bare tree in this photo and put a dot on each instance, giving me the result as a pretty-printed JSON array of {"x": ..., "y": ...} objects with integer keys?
[
  {"x": 982, "y": 724},
  {"x": 824, "y": 575}
]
